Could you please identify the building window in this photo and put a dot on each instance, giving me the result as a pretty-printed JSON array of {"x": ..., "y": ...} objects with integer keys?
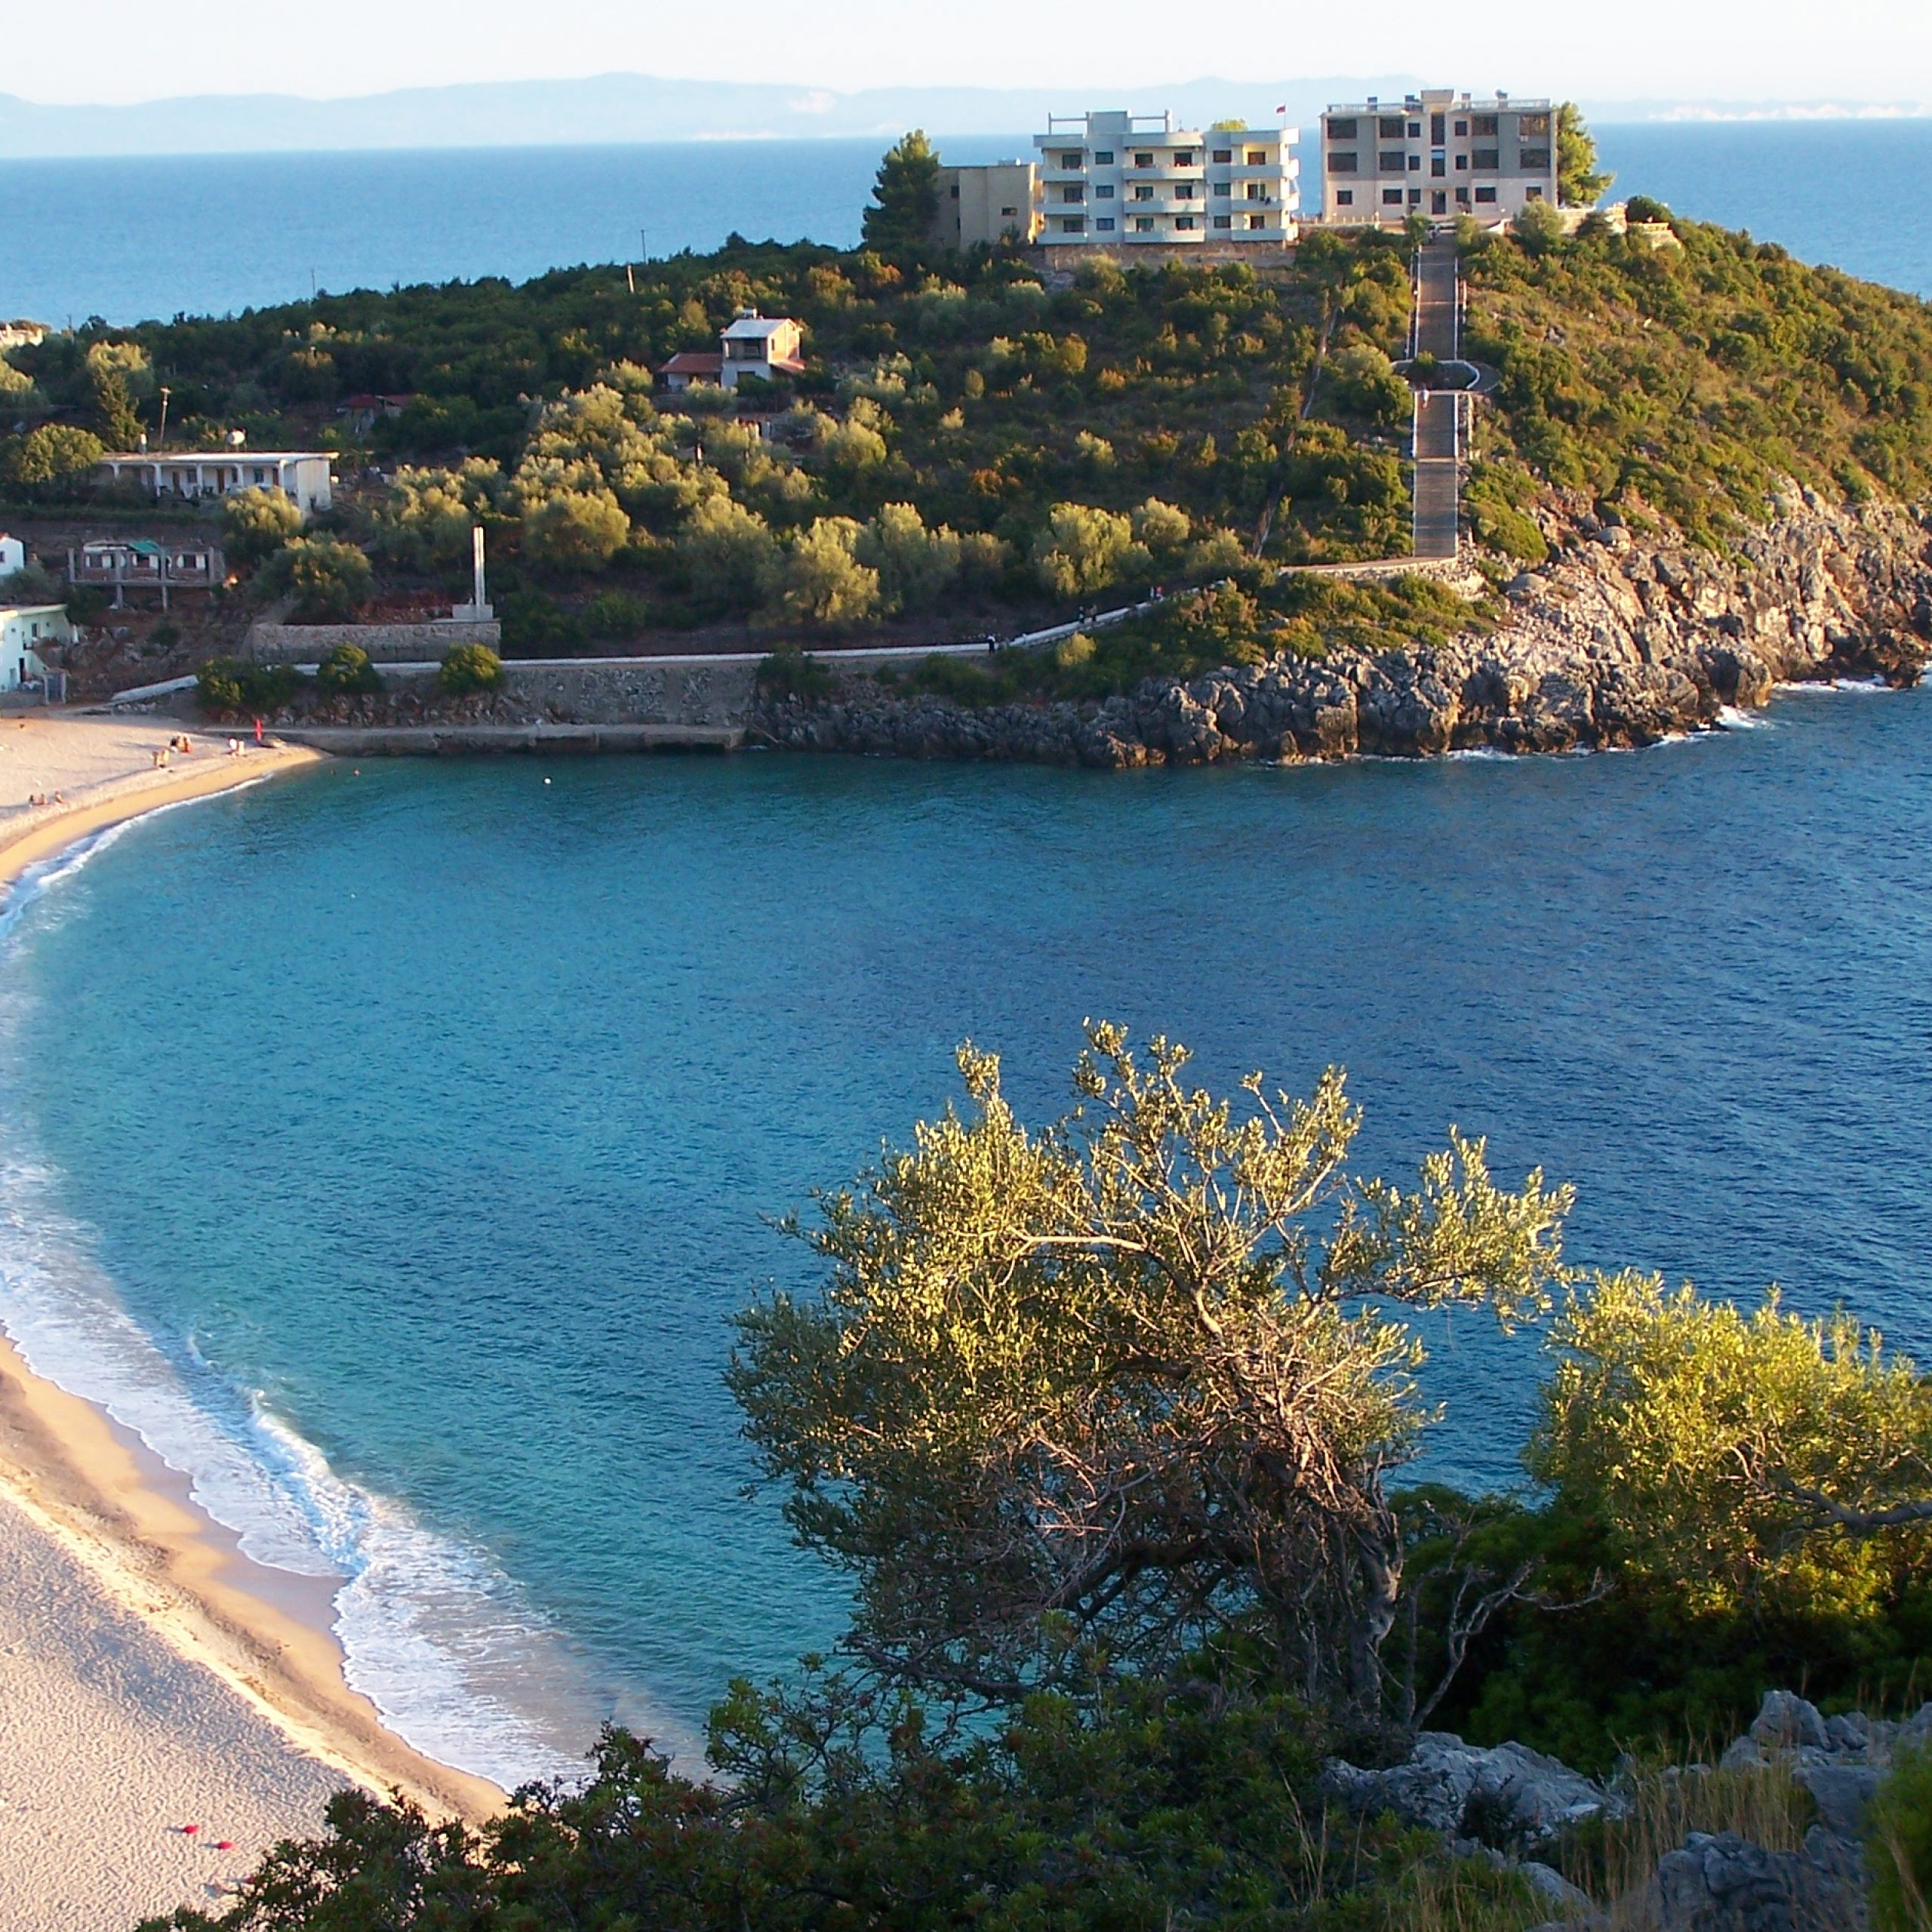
[
  {"x": 1527, "y": 125},
  {"x": 1393, "y": 162},
  {"x": 1103, "y": 157},
  {"x": 1144, "y": 192},
  {"x": 1184, "y": 157},
  {"x": 1483, "y": 124},
  {"x": 1143, "y": 224},
  {"x": 1345, "y": 198},
  {"x": 1069, "y": 160},
  {"x": 1072, "y": 224},
  {"x": 1415, "y": 164},
  {"x": 1461, "y": 163},
  {"x": 1224, "y": 187},
  {"x": 1183, "y": 221},
  {"x": 1103, "y": 191},
  {"x": 1436, "y": 129},
  {"x": 1183, "y": 191},
  {"x": 1073, "y": 194},
  {"x": 1341, "y": 163},
  {"x": 1257, "y": 221},
  {"x": 1257, "y": 191},
  {"x": 1487, "y": 161},
  {"x": 1536, "y": 158},
  {"x": 1015, "y": 210},
  {"x": 1105, "y": 223},
  {"x": 1143, "y": 161},
  {"x": 1415, "y": 198},
  {"x": 1438, "y": 201},
  {"x": 1533, "y": 194},
  {"x": 1462, "y": 197},
  {"x": 1258, "y": 157},
  {"x": 1390, "y": 127},
  {"x": 1415, "y": 131},
  {"x": 1224, "y": 221},
  {"x": 1342, "y": 130},
  {"x": 1485, "y": 194},
  {"x": 1392, "y": 198},
  {"x": 1437, "y": 167},
  {"x": 1223, "y": 156},
  {"x": 1462, "y": 127}
]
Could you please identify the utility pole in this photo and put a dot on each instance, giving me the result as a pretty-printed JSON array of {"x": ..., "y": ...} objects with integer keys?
[
  {"x": 644, "y": 246},
  {"x": 161, "y": 435}
]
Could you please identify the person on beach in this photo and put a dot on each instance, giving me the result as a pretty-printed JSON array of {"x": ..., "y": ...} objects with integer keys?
[{"x": 258, "y": 732}]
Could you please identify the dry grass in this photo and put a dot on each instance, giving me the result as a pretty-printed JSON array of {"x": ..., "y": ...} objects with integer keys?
[{"x": 1764, "y": 1805}]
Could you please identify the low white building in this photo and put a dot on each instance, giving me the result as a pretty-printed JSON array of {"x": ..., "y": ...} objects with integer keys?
[
  {"x": 306, "y": 477},
  {"x": 24, "y": 628},
  {"x": 1439, "y": 153},
  {"x": 749, "y": 345},
  {"x": 12, "y": 554},
  {"x": 1118, "y": 178}
]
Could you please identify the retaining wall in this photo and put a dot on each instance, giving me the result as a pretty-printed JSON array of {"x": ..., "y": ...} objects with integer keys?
[{"x": 386, "y": 643}]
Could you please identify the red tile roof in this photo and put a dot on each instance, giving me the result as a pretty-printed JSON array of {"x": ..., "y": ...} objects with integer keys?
[{"x": 694, "y": 362}]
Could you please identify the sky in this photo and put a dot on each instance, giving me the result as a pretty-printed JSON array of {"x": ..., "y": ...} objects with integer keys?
[{"x": 1849, "y": 51}]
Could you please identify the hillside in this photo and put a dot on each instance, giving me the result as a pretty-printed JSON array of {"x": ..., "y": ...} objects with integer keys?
[{"x": 974, "y": 444}]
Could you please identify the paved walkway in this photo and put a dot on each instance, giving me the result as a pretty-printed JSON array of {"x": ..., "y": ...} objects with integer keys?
[{"x": 1438, "y": 412}]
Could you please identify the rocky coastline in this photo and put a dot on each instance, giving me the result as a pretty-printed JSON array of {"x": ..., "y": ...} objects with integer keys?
[{"x": 1619, "y": 640}]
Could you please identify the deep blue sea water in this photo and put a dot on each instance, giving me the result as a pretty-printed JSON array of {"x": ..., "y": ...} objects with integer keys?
[
  {"x": 128, "y": 238},
  {"x": 391, "y": 1149}
]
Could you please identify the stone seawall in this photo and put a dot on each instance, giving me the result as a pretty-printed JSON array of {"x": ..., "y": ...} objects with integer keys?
[
  {"x": 386, "y": 643},
  {"x": 1615, "y": 642}
]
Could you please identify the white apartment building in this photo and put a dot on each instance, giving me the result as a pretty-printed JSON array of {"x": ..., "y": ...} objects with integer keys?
[
  {"x": 1124, "y": 179},
  {"x": 1439, "y": 153},
  {"x": 306, "y": 477}
]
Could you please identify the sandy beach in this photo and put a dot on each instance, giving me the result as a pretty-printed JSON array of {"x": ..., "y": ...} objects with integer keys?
[{"x": 151, "y": 1675}]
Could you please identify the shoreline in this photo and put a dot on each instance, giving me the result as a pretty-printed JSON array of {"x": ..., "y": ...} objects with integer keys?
[{"x": 109, "y": 1505}]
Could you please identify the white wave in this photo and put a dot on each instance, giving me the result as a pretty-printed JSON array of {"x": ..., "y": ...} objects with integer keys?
[
  {"x": 433, "y": 1632},
  {"x": 1733, "y": 718}
]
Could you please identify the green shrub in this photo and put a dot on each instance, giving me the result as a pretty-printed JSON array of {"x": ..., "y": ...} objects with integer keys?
[
  {"x": 1640, "y": 208},
  {"x": 470, "y": 667},
  {"x": 1899, "y": 1844},
  {"x": 347, "y": 669},
  {"x": 255, "y": 524},
  {"x": 228, "y": 687},
  {"x": 326, "y": 578},
  {"x": 789, "y": 672}
]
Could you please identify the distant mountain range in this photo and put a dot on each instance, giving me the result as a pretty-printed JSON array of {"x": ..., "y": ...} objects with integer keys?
[{"x": 609, "y": 108}]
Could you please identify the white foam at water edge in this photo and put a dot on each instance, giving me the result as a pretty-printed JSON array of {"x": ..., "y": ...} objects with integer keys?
[
  {"x": 1730, "y": 718},
  {"x": 429, "y": 1626}
]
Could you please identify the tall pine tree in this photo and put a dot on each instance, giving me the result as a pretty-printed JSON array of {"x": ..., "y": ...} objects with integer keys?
[{"x": 904, "y": 202}]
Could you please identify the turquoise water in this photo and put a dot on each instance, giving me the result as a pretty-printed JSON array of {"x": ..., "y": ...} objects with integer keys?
[{"x": 390, "y": 1149}]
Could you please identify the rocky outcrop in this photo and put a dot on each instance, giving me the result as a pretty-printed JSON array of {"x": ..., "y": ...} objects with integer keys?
[
  {"x": 1508, "y": 1797},
  {"x": 1616, "y": 642},
  {"x": 1510, "y": 1804}
]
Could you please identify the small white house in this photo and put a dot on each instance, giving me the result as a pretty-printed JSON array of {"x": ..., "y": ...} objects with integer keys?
[
  {"x": 24, "y": 628},
  {"x": 752, "y": 345},
  {"x": 306, "y": 477},
  {"x": 12, "y": 554}
]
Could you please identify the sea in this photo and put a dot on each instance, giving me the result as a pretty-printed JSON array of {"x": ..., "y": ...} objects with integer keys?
[{"x": 390, "y": 1146}]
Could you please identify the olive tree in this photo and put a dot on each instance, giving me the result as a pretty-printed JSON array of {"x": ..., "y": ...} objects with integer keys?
[
  {"x": 324, "y": 576},
  {"x": 1750, "y": 1460},
  {"x": 576, "y": 531},
  {"x": 256, "y": 523},
  {"x": 822, "y": 583},
  {"x": 729, "y": 553},
  {"x": 1102, "y": 1391},
  {"x": 1085, "y": 549}
]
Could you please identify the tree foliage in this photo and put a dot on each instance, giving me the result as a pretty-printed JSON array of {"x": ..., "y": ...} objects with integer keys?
[
  {"x": 905, "y": 203},
  {"x": 1742, "y": 1457},
  {"x": 53, "y": 460},
  {"x": 1133, "y": 1378},
  {"x": 1580, "y": 183},
  {"x": 256, "y": 523},
  {"x": 324, "y": 577}
]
